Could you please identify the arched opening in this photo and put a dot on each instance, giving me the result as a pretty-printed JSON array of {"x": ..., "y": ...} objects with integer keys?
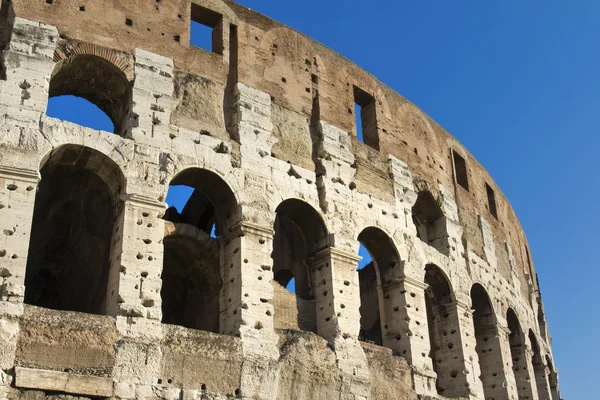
[
  {"x": 518, "y": 354},
  {"x": 430, "y": 222},
  {"x": 79, "y": 111},
  {"x": 488, "y": 344},
  {"x": 539, "y": 368},
  {"x": 375, "y": 280},
  {"x": 74, "y": 249},
  {"x": 552, "y": 379},
  {"x": 200, "y": 214},
  {"x": 96, "y": 80},
  {"x": 300, "y": 234},
  {"x": 444, "y": 336}
]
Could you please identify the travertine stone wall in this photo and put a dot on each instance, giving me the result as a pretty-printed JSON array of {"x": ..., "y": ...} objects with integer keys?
[{"x": 264, "y": 127}]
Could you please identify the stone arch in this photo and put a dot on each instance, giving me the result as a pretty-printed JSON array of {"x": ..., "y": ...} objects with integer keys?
[
  {"x": 193, "y": 290},
  {"x": 443, "y": 324},
  {"x": 75, "y": 245},
  {"x": 377, "y": 285},
  {"x": 97, "y": 79},
  {"x": 552, "y": 379},
  {"x": 539, "y": 368},
  {"x": 488, "y": 347},
  {"x": 518, "y": 352},
  {"x": 416, "y": 130},
  {"x": 300, "y": 233},
  {"x": 430, "y": 221}
]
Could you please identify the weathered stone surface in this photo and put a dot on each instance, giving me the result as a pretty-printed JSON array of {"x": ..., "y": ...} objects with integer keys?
[{"x": 96, "y": 270}]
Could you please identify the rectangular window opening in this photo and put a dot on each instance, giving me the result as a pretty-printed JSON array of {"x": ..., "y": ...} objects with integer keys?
[
  {"x": 460, "y": 170},
  {"x": 206, "y": 29},
  {"x": 491, "y": 201},
  {"x": 366, "y": 118}
]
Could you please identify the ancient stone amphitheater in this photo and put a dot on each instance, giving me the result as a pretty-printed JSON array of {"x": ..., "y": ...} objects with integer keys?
[{"x": 108, "y": 293}]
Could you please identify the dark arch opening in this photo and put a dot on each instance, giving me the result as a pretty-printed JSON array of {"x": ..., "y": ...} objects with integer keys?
[
  {"x": 552, "y": 379},
  {"x": 74, "y": 249},
  {"x": 430, "y": 222},
  {"x": 538, "y": 367},
  {"x": 192, "y": 284},
  {"x": 374, "y": 280},
  {"x": 300, "y": 234},
  {"x": 283, "y": 277},
  {"x": 488, "y": 345},
  {"x": 518, "y": 354},
  {"x": 443, "y": 325},
  {"x": 98, "y": 81}
]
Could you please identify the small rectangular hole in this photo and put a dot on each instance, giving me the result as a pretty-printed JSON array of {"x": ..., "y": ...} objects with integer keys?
[
  {"x": 460, "y": 170},
  {"x": 491, "y": 201},
  {"x": 206, "y": 28},
  {"x": 366, "y": 118}
]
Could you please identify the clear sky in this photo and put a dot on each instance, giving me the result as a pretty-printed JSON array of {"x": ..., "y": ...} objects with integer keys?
[{"x": 516, "y": 82}]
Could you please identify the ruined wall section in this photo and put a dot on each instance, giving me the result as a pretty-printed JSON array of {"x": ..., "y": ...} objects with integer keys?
[
  {"x": 268, "y": 141},
  {"x": 280, "y": 61}
]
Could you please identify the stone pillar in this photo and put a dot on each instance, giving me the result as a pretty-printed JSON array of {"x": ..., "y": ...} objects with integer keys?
[
  {"x": 28, "y": 63},
  {"x": 17, "y": 197},
  {"x": 470, "y": 358},
  {"x": 541, "y": 379},
  {"x": 153, "y": 99},
  {"x": 253, "y": 126},
  {"x": 451, "y": 358},
  {"x": 523, "y": 372},
  {"x": 509, "y": 381},
  {"x": 405, "y": 329},
  {"x": 142, "y": 258},
  {"x": 247, "y": 305},
  {"x": 139, "y": 311},
  {"x": 493, "y": 362},
  {"x": 337, "y": 297}
]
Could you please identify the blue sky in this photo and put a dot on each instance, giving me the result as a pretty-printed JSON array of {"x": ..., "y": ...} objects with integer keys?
[{"x": 517, "y": 83}]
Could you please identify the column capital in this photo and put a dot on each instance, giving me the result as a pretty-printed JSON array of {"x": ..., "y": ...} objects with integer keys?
[
  {"x": 338, "y": 255},
  {"x": 406, "y": 280},
  {"x": 244, "y": 228},
  {"x": 144, "y": 201},
  {"x": 22, "y": 174}
]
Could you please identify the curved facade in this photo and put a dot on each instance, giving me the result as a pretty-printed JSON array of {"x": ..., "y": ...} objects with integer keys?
[{"x": 108, "y": 293}]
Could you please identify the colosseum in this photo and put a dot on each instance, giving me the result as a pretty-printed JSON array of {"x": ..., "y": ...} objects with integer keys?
[{"x": 296, "y": 157}]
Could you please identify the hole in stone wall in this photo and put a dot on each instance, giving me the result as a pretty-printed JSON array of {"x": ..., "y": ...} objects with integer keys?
[
  {"x": 79, "y": 111},
  {"x": 429, "y": 219},
  {"x": 96, "y": 80},
  {"x": 441, "y": 319},
  {"x": 491, "y": 201},
  {"x": 460, "y": 170},
  {"x": 75, "y": 215},
  {"x": 381, "y": 259},
  {"x": 200, "y": 204},
  {"x": 299, "y": 234},
  {"x": 206, "y": 28},
  {"x": 488, "y": 351},
  {"x": 366, "y": 118}
]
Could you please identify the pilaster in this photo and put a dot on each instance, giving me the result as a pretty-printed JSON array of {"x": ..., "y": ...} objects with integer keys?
[
  {"x": 338, "y": 317},
  {"x": 153, "y": 99},
  {"x": 141, "y": 259}
]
